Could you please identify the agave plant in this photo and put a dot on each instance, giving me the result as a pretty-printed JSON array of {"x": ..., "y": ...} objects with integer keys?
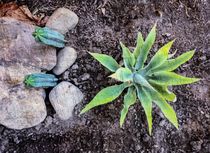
[
  {"x": 49, "y": 37},
  {"x": 147, "y": 83}
]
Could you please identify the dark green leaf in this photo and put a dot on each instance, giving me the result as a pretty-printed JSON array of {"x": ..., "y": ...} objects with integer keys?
[
  {"x": 140, "y": 42},
  {"x": 170, "y": 78},
  {"x": 165, "y": 93},
  {"x": 128, "y": 57},
  {"x": 122, "y": 74},
  {"x": 106, "y": 61},
  {"x": 172, "y": 64},
  {"x": 129, "y": 99},
  {"x": 105, "y": 96},
  {"x": 146, "y": 102},
  {"x": 167, "y": 110},
  {"x": 159, "y": 58},
  {"x": 146, "y": 48}
]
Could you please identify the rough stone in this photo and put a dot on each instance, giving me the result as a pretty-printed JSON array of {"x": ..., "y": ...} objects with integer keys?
[
  {"x": 74, "y": 67},
  {"x": 85, "y": 76},
  {"x": 21, "y": 55},
  {"x": 17, "y": 45},
  {"x": 66, "y": 57},
  {"x": 18, "y": 110},
  {"x": 62, "y": 20},
  {"x": 64, "y": 97}
]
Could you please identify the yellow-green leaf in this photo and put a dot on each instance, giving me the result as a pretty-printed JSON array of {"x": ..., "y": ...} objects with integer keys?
[
  {"x": 140, "y": 42},
  {"x": 106, "y": 61},
  {"x": 128, "y": 57},
  {"x": 129, "y": 99},
  {"x": 165, "y": 93},
  {"x": 105, "y": 96},
  {"x": 146, "y": 102},
  {"x": 170, "y": 78},
  {"x": 160, "y": 57},
  {"x": 172, "y": 64},
  {"x": 146, "y": 48},
  {"x": 167, "y": 110},
  {"x": 122, "y": 74}
]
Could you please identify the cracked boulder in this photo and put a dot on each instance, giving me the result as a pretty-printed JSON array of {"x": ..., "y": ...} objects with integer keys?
[{"x": 20, "y": 55}]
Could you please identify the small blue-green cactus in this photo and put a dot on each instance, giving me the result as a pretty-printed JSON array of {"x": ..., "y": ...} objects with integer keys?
[
  {"x": 40, "y": 80},
  {"x": 49, "y": 37}
]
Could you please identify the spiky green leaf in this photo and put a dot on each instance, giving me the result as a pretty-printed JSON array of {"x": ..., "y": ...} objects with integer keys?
[
  {"x": 146, "y": 102},
  {"x": 170, "y": 78},
  {"x": 122, "y": 74},
  {"x": 105, "y": 96},
  {"x": 140, "y": 42},
  {"x": 160, "y": 57},
  {"x": 146, "y": 48},
  {"x": 129, "y": 99},
  {"x": 172, "y": 64},
  {"x": 106, "y": 61},
  {"x": 165, "y": 93},
  {"x": 128, "y": 57},
  {"x": 167, "y": 110}
]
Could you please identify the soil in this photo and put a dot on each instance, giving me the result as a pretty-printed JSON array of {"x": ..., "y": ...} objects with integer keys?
[{"x": 103, "y": 23}]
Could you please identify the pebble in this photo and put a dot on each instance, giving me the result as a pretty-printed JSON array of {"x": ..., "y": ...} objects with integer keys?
[
  {"x": 65, "y": 75},
  {"x": 66, "y": 57},
  {"x": 62, "y": 20},
  {"x": 74, "y": 67},
  {"x": 64, "y": 97},
  {"x": 85, "y": 76},
  {"x": 138, "y": 147},
  {"x": 48, "y": 121}
]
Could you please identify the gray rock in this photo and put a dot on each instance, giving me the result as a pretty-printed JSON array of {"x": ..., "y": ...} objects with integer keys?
[
  {"x": 74, "y": 67},
  {"x": 85, "y": 76},
  {"x": 65, "y": 76},
  {"x": 20, "y": 55},
  {"x": 48, "y": 121},
  {"x": 62, "y": 20},
  {"x": 64, "y": 97},
  {"x": 66, "y": 57},
  {"x": 17, "y": 45},
  {"x": 18, "y": 110}
]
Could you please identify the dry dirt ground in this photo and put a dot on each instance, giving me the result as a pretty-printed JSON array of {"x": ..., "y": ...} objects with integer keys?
[{"x": 103, "y": 23}]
